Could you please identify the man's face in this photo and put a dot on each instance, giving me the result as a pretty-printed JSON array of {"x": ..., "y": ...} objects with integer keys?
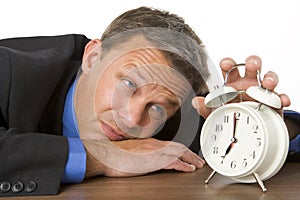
[{"x": 135, "y": 93}]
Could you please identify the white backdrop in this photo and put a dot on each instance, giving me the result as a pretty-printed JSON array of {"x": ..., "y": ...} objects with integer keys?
[{"x": 234, "y": 28}]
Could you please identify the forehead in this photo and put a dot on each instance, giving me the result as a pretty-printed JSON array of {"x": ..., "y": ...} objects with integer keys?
[{"x": 138, "y": 56}]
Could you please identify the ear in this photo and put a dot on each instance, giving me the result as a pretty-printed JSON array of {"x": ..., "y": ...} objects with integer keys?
[{"x": 91, "y": 55}]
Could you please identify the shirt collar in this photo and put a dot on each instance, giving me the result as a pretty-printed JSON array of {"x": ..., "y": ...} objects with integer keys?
[{"x": 70, "y": 126}]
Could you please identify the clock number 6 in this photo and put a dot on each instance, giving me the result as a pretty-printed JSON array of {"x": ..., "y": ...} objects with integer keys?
[{"x": 233, "y": 164}]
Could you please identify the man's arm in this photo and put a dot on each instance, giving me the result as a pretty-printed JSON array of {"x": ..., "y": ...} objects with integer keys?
[
  {"x": 137, "y": 157},
  {"x": 34, "y": 76},
  {"x": 31, "y": 163},
  {"x": 292, "y": 120}
]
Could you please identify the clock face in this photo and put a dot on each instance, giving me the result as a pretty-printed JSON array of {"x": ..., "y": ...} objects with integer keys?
[{"x": 233, "y": 140}]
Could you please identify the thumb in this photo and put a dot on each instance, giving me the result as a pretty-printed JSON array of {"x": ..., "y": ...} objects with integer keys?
[{"x": 199, "y": 105}]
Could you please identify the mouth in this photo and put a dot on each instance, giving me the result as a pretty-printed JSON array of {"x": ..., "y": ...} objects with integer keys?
[{"x": 112, "y": 133}]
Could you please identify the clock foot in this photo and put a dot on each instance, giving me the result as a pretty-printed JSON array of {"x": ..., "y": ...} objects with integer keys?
[
  {"x": 210, "y": 177},
  {"x": 259, "y": 181}
]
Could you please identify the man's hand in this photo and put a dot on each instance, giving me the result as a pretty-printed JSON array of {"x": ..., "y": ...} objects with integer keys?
[
  {"x": 137, "y": 157},
  {"x": 253, "y": 63}
]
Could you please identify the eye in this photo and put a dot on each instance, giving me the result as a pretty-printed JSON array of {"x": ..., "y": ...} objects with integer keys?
[
  {"x": 129, "y": 84},
  {"x": 158, "y": 110}
]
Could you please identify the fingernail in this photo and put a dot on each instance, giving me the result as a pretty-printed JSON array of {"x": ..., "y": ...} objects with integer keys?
[
  {"x": 202, "y": 161},
  {"x": 193, "y": 167},
  {"x": 226, "y": 63},
  {"x": 252, "y": 61},
  {"x": 195, "y": 103},
  {"x": 270, "y": 79}
]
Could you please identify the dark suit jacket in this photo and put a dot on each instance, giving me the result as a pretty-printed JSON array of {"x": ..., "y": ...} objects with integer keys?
[{"x": 35, "y": 74}]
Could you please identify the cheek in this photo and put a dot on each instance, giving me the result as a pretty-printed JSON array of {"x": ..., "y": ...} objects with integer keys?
[
  {"x": 109, "y": 96},
  {"x": 151, "y": 129},
  {"x": 103, "y": 97}
]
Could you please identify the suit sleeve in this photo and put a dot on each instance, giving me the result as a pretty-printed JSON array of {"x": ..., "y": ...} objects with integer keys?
[
  {"x": 31, "y": 163},
  {"x": 292, "y": 119}
]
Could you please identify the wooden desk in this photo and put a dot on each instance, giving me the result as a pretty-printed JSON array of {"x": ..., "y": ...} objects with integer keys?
[{"x": 183, "y": 186}]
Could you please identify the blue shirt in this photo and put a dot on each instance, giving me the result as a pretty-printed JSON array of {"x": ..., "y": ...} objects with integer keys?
[{"x": 76, "y": 163}]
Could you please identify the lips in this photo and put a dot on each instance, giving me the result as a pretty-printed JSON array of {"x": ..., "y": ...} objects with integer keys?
[{"x": 112, "y": 133}]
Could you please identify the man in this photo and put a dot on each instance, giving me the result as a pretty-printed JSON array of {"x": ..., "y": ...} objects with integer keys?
[{"x": 137, "y": 80}]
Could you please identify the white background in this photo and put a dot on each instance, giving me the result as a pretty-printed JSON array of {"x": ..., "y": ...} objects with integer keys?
[{"x": 228, "y": 28}]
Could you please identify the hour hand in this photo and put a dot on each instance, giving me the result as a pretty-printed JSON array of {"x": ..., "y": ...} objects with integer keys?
[{"x": 226, "y": 152}]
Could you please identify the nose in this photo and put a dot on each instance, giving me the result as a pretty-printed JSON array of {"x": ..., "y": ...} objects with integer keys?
[{"x": 134, "y": 113}]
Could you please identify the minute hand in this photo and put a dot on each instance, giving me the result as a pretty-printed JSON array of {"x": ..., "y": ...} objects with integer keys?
[{"x": 233, "y": 139}]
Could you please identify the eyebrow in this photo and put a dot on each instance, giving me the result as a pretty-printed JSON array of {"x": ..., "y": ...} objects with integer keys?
[
  {"x": 135, "y": 69},
  {"x": 140, "y": 75},
  {"x": 171, "y": 101}
]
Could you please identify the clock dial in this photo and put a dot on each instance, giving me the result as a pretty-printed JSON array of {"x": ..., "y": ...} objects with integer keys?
[{"x": 234, "y": 141}]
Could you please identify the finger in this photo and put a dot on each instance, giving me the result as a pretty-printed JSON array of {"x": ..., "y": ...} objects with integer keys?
[
  {"x": 253, "y": 64},
  {"x": 191, "y": 158},
  {"x": 227, "y": 64},
  {"x": 199, "y": 105},
  {"x": 181, "y": 166},
  {"x": 270, "y": 80},
  {"x": 180, "y": 151},
  {"x": 285, "y": 100}
]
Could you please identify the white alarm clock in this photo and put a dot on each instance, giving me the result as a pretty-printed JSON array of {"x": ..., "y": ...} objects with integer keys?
[{"x": 246, "y": 141}]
